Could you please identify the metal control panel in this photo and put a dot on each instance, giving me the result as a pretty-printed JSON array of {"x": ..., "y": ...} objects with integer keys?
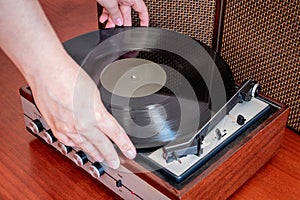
[{"x": 121, "y": 181}]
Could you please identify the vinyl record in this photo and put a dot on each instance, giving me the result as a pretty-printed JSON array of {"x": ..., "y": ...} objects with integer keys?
[{"x": 160, "y": 85}]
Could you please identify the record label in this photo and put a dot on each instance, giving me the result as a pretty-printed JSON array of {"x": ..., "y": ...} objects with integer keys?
[{"x": 133, "y": 77}]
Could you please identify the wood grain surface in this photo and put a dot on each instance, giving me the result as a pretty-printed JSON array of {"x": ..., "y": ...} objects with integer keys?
[{"x": 30, "y": 169}]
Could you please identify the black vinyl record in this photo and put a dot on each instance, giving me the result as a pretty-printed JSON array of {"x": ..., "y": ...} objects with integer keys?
[{"x": 160, "y": 85}]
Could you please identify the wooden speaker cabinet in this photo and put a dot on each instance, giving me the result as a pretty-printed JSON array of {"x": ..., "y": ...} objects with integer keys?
[{"x": 261, "y": 40}]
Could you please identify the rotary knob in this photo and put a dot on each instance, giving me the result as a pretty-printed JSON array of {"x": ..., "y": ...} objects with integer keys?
[
  {"x": 48, "y": 136},
  {"x": 80, "y": 158},
  {"x": 36, "y": 126},
  {"x": 64, "y": 149},
  {"x": 240, "y": 120},
  {"x": 96, "y": 170}
]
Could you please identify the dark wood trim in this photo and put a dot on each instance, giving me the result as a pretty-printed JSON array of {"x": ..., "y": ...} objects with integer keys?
[{"x": 218, "y": 25}]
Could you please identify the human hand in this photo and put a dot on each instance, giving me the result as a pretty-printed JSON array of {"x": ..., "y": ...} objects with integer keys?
[
  {"x": 70, "y": 103},
  {"x": 118, "y": 12},
  {"x": 66, "y": 96}
]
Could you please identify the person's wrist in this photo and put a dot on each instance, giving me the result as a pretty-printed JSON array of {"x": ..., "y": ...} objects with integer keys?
[{"x": 54, "y": 74}]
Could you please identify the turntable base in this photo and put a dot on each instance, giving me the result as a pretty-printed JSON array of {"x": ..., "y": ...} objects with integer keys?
[
  {"x": 229, "y": 172},
  {"x": 220, "y": 177}
]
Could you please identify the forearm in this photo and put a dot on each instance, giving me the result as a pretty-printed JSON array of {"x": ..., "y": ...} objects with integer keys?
[{"x": 27, "y": 37}]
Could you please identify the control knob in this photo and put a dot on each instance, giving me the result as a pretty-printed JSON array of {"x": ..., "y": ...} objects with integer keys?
[
  {"x": 96, "y": 170},
  {"x": 240, "y": 120},
  {"x": 64, "y": 149},
  {"x": 36, "y": 126},
  {"x": 48, "y": 136},
  {"x": 80, "y": 158}
]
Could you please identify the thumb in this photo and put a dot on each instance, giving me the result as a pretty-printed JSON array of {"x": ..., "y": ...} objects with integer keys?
[{"x": 113, "y": 10}]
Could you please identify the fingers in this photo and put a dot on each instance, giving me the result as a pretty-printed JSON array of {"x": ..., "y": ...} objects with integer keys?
[
  {"x": 64, "y": 139},
  {"x": 106, "y": 18},
  {"x": 140, "y": 7},
  {"x": 101, "y": 148},
  {"x": 108, "y": 125},
  {"x": 113, "y": 10},
  {"x": 91, "y": 149},
  {"x": 118, "y": 12},
  {"x": 95, "y": 143},
  {"x": 110, "y": 23},
  {"x": 126, "y": 12}
]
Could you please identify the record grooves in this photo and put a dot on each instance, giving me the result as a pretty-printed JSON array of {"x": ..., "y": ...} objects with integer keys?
[{"x": 155, "y": 111}]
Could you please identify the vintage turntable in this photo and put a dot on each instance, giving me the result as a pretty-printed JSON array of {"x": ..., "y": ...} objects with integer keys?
[{"x": 178, "y": 103}]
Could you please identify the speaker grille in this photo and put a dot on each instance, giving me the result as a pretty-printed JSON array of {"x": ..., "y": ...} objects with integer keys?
[{"x": 261, "y": 41}]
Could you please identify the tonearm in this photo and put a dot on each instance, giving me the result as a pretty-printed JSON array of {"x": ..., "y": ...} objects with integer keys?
[{"x": 185, "y": 146}]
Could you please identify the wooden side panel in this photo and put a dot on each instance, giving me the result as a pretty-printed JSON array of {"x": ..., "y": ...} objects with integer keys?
[{"x": 252, "y": 153}]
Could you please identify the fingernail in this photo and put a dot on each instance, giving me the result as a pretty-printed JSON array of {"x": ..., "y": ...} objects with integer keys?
[
  {"x": 114, "y": 164},
  {"x": 130, "y": 154},
  {"x": 119, "y": 21}
]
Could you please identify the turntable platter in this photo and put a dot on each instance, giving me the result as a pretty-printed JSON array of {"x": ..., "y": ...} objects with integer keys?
[{"x": 158, "y": 84}]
